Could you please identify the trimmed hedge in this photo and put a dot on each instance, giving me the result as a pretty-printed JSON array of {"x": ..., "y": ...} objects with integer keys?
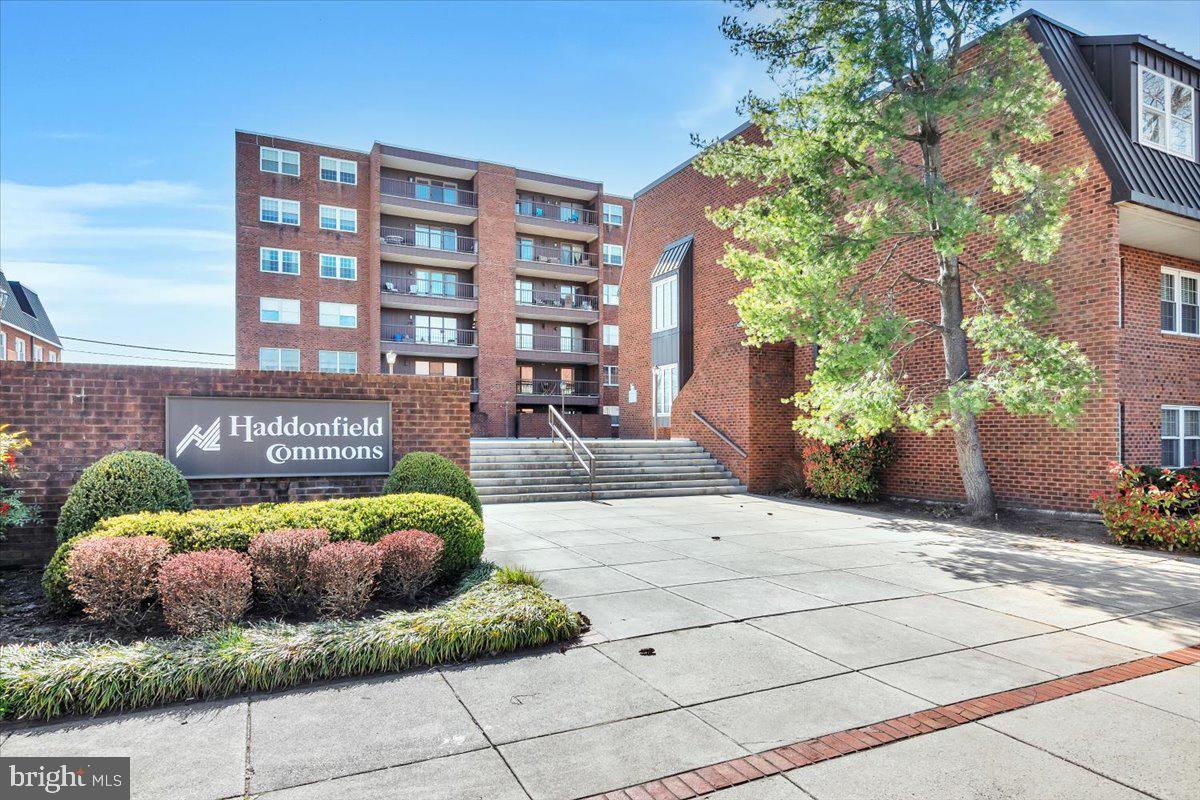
[
  {"x": 429, "y": 472},
  {"x": 367, "y": 519},
  {"x": 122, "y": 483},
  {"x": 492, "y": 615}
]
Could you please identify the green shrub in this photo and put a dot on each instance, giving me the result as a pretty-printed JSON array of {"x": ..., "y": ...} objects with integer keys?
[
  {"x": 367, "y": 519},
  {"x": 122, "y": 483},
  {"x": 1152, "y": 507},
  {"x": 429, "y": 472},
  {"x": 847, "y": 470}
]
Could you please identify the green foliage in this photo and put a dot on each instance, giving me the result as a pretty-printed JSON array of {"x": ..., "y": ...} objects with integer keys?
[
  {"x": 1153, "y": 507},
  {"x": 122, "y": 483},
  {"x": 429, "y": 472},
  {"x": 14, "y": 512},
  {"x": 43, "y": 681},
  {"x": 516, "y": 576},
  {"x": 366, "y": 519},
  {"x": 847, "y": 470}
]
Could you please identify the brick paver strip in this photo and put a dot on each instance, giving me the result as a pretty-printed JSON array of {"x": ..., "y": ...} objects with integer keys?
[{"x": 706, "y": 780}]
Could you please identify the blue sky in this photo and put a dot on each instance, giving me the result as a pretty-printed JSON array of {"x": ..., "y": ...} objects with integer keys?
[{"x": 117, "y": 120}]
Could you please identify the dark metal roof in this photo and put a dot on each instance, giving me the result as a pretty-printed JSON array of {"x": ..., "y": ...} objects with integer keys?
[
  {"x": 24, "y": 310},
  {"x": 672, "y": 256}
]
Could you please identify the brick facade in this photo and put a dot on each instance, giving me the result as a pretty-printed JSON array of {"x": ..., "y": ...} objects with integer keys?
[
  {"x": 12, "y": 335},
  {"x": 75, "y": 414}
]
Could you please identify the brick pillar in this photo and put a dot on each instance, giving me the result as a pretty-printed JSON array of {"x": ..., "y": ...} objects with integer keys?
[
  {"x": 371, "y": 362},
  {"x": 496, "y": 232}
]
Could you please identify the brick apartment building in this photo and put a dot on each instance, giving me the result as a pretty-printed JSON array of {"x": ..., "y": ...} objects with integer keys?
[
  {"x": 396, "y": 260},
  {"x": 1127, "y": 283},
  {"x": 26, "y": 333}
]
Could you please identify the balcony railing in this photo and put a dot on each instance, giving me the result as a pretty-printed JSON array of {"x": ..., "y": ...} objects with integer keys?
[
  {"x": 449, "y": 242},
  {"x": 555, "y": 254},
  {"x": 549, "y": 298},
  {"x": 555, "y": 387},
  {"x": 555, "y": 212},
  {"x": 555, "y": 343},
  {"x": 423, "y": 287},
  {"x": 412, "y": 334},
  {"x": 448, "y": 195}
]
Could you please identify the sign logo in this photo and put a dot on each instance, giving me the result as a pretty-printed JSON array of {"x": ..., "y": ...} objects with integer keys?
[
  {"x": 64, "y": 778},
  {"x": 208, "y": 441}
]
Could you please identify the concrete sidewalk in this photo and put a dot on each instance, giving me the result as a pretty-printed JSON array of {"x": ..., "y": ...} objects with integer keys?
[{"x": 769, "y": 622}]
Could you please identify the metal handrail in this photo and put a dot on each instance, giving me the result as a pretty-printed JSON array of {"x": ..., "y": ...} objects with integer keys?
[
  {"x": 555, "y": 212},
  {"x": 719, "y": 434},
  {"x": 555, "y": 254},
  {"x": 436, "y": 239},
  {"x": 589, "y": 465},
  {"x": 413, "y": 334},
  {"x": 446, "y": 195},
  {"x": 556, "y": 343},
  {"x": 557, "y": 299},
  {"x": 555, "y": 387},
  {"x": 424, "y": 287}
]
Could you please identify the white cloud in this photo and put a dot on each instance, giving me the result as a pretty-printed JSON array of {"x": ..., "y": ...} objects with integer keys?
[
  {"x": 86, "y": 288},
  {"x": 718, "y": 95}
]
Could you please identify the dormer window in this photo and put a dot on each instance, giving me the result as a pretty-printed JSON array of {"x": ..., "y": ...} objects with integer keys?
[{"x": 1166, "y": 114}]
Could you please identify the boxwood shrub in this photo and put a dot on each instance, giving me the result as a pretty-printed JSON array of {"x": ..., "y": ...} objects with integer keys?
[
  {"x": 429, "y": 472},
  {"x": 122, "y": 483},
  {"x": 367, "y": 519}
]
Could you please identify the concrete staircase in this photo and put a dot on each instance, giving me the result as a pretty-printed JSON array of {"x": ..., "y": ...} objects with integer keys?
[{"x": 526, "y": 470}]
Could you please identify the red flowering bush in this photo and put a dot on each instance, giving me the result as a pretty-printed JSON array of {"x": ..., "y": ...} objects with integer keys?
[
  {"x": 1147, "y": 506},
  {"x": 409, "y": 562},
  {"x": 341, "y": 577},
  {"x": 114, "y": 577},
  {"x": 847, "y": 470},
  {"x": 280, "y": 560},
  {"x": 204, "y": 590}
]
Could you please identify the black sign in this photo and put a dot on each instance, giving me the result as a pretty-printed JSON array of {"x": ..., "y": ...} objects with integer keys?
[
  {"x": 65, "y": 777},
  {"x": 239, "y": 437}
]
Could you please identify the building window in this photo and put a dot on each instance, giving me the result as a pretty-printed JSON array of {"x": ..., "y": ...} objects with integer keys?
[
  {"x": 337, "y": 361},
  {"x": 437, "y": 284},
  {"x": 337, "y": 315},
  {"x": 437, "y": 330},
  {"x": 335, "y": 218},
  {"x": 612, "y": 335},
  {"x": 1180, "y": 436},
  {"x": 1166, "y": 114},
  {"x": 432, "y": 237},
  {"x": 524, "y": 335},
  {"x": 278, "y": 359},
  {"x": 1180, "y": 301},
  {"x": 570, "y": 339},
  {"x": 272, "y": 259},
  {"x": 39, "y": 355},
  {"x": 283, "y": 212},
  {"x": 19, "y": 347},
  {"x": 283, "y": 162},
  {"x": 614, "y": 254},
  {"x": 610, "y": 375},
  {"x": 525, "y": 292},
  {"x": 344, "y": 268},
  {"x": 278, "y": 310},
  {"x": 447, "y": 369},
  {"x": 339, "y": 170},
  {"x": 52, "y": 357},
  {"x": 612, "y": 294},
  {"x": 664, "y": 304},
  {"x": 666, "y": 386},
  {"x": 3, "y": 346},
  {"x": 614, "y": 214}
]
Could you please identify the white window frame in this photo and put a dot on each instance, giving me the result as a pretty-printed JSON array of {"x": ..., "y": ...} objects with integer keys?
[
  {"x": 1177, "y": 278},
  {"x": 345, "y": 268},
  {"x": 612, "y": 335},
  {"x": 339, "y": 170},
  {"x": 614, "y": 214},
  {"x": 341, "y": 218},
  {"x": 326, "y": 312},
  {"x": 1181, "y": 432},
  {"x": 611, "y": 375},
  {"x": 277, "y": 352},
  {"x": 345, "y": 362},
  {"x": 664, "y": 304},
  {"x": 524, "y": 292},
  {"x": 262, "y": 260},
  {"x": 525, "y": 333},
  {"x": 3, "y": 345},
  {"x": 612, "y": 294},
  {"x": 39, "y": 353},
  {"x": 609, "y": 251},
  {"x": 52, "y": 357},
  {"x": 283, "y": 306},
  {"x": 281, "y": 208},
  {"x": 1167, "y": 115},
  {"x": 279, "y": 154},
  {"x": 19, "y": 349},
  {"x": 666, "y": 387}
]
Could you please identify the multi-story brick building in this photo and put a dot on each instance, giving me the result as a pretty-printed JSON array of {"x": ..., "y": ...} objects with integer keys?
[
  {"x": 1127, "y": 282},
  {"x": 396, "y": 260},
  {"x": 26, "y": 333}
]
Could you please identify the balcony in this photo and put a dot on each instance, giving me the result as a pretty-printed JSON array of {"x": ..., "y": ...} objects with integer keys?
[
  {"x": 421, "y": 294},
  {"x": 554, "y": 348},
  {"x": 552, "y": 219},
  {"x": 554, "y": 305},
  {"x": 557, "y": 262},
  {"x": 558, "y": 392},
  {"x": 441, "y": 203},
  {"x": 433, "y": 248},
  {"x": 411, "y": 340}
]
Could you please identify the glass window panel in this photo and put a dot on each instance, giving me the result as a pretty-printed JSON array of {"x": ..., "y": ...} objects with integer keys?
[
  {"x": 289, "y": 212},
  {"x": 1181, "y": 137},
  {"x": 1170, "y": 453},
  {"x": 268, "y": 209},
  {"x": 1170, "y": 422},
  {"x": 1191, "y": 422},
  {"x": 1191, "y": 453},
  {"x": 328, "y": 266},
  {"x": 290, "y": 163},
  {"x": 268, "y": 260},
  {"x": 1181, "y": 101},
  {"x": 291, "y": 262},
  {"x": 1152, "y": 127},
  {"x": 1154, "y": 90},
  {"x": 328, "y": 217},
  {"x": 268, "y": 159},
  {"x": 1167, "y": 297}
]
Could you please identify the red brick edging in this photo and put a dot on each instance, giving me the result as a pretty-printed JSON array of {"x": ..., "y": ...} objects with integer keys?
[{"x": 705, "y": 780}]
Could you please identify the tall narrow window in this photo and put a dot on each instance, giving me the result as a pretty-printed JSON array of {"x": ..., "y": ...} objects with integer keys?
[
  {"x": 666, "y": 386},
  {"x": 525, "y": 292},
  {"x": 524, "y": 335},
  {"x": 1179, "y": 300},
  {"x": 1166, "y": 114},
  {"x": 339, "y": 170},
  {"x": 3, "y": 346},
  {"x": 19, "y": 348},
  {"x": 570, "y": 339},
  {"x": 282, "y": 162},
  {"x": 610, "y": 375},
  {"x": 664, "y": 304}
]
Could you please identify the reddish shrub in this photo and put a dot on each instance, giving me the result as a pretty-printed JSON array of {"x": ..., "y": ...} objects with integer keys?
[
  {"x": 280, "y": 560},
  {"x": 113, "y": 577},
  {"x": 204, "y": 590},
  {"x": 341, "y": 577},
  {"x": 1153, "y": 507},
  {"x": 409, "y": 561},
  {"x": 847, "y": 470}
]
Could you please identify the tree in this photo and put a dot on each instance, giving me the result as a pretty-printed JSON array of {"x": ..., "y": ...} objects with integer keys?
[{"x": 859, "y": 225}]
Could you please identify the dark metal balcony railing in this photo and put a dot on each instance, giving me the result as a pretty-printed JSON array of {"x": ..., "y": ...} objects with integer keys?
[
  {"x": 449, "y": 195},
  {"x": 474, "y": 384},
  {"x": 425, "y": 287},
  {"x": 555, "y": 254},
  {"x": 555, "y": 343},
  {"x": 556, "y": 212},
  {"x": 412, "y": 334},
  {"x": 555, "y": 387},
  {"x": 556, "y": 299},
  {"x": 447, "y": 241}
]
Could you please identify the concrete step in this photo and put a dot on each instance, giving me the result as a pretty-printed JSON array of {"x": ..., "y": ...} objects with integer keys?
[
  {"x": 536, "y": 473},
  {"x": 550, "y": 497},
  {"x": 508, "y": 459},
  {"x": 601, "y": 480}
]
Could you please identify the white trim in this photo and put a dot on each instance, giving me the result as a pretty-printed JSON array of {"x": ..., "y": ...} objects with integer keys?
[
  {"x": 337, "y": 361},
  {"x": 1177, "y": 288},
  {"x": 3, "y": 345},
  {"x": 279, "y": 210},
  {"x": 263, "y": 301},
  {"x": 1181, "y": 433},
  {"x": 340, "y": 213},
  {"x": 664, "y": 304},
  {"x": 605, "y": 214},
  {"x": 327, "y": 309},
  {"x": 337, "y": 268},
  {"x": 56, "y": 345},
  {"x": 1166, "y": 114},
  {"x": 615, "y": 294},
  {"x": 338, "y": 163},
  {"x": 281, "y": 270},
  {"x": 616, "y": 249},
  {"x": 279, "y": 160},
  {"x": 612, "y": 332},
  {"x": 614, "y": 370},
  {"x": 279, "y": 351}
]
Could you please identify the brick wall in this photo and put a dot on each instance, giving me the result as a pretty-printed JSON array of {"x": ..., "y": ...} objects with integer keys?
[
  {"x": 590, "y": 426},
  {"x": 75, "y": 414},
  {"x": 496, "y": 230}
]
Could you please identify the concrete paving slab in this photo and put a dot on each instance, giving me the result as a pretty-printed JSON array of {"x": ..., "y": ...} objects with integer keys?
[
  {"x": 851, "y": 556},
  {"x": 840, "y": 586},
  {"x": 678, "y": 572},
  {"x": 963, "y": 763},
  {"x": 544, "y": 559},
  {"x": 516, "y": 540},
  {"x": 749, "y": 597},
  {"x": 705, "y": 548},
  {"x": 583, "y": 762},
  {"x": 583, "y": 581},
  {"x": 658, "y": 532},
  {"x": 620, "y": 616},
  {"x": 777, "y": 787},
  {"x": 950, "y": 677},
  {"x": 1064, "y": 652},
  {"x": 1156, "y": 632},
  {"x": 584, "y": 538},
  {"x": 770, "y": 542},
  {"x": 959, "y": 622},
  {"x": 761, "y": 565},
  {"x": 363, "y": 725},
  {"x": 195, "y": 751},
  {"x": 854, "y": 638},
  {"x": 523, "y": 696},
  {"x": 1176, "y": 691},
  {"x": 928, "y": 575},
  {"x": 626, "y": 553},
  {"x": 701, "y": 664},
  {"x": 1061, "y": 610}
]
